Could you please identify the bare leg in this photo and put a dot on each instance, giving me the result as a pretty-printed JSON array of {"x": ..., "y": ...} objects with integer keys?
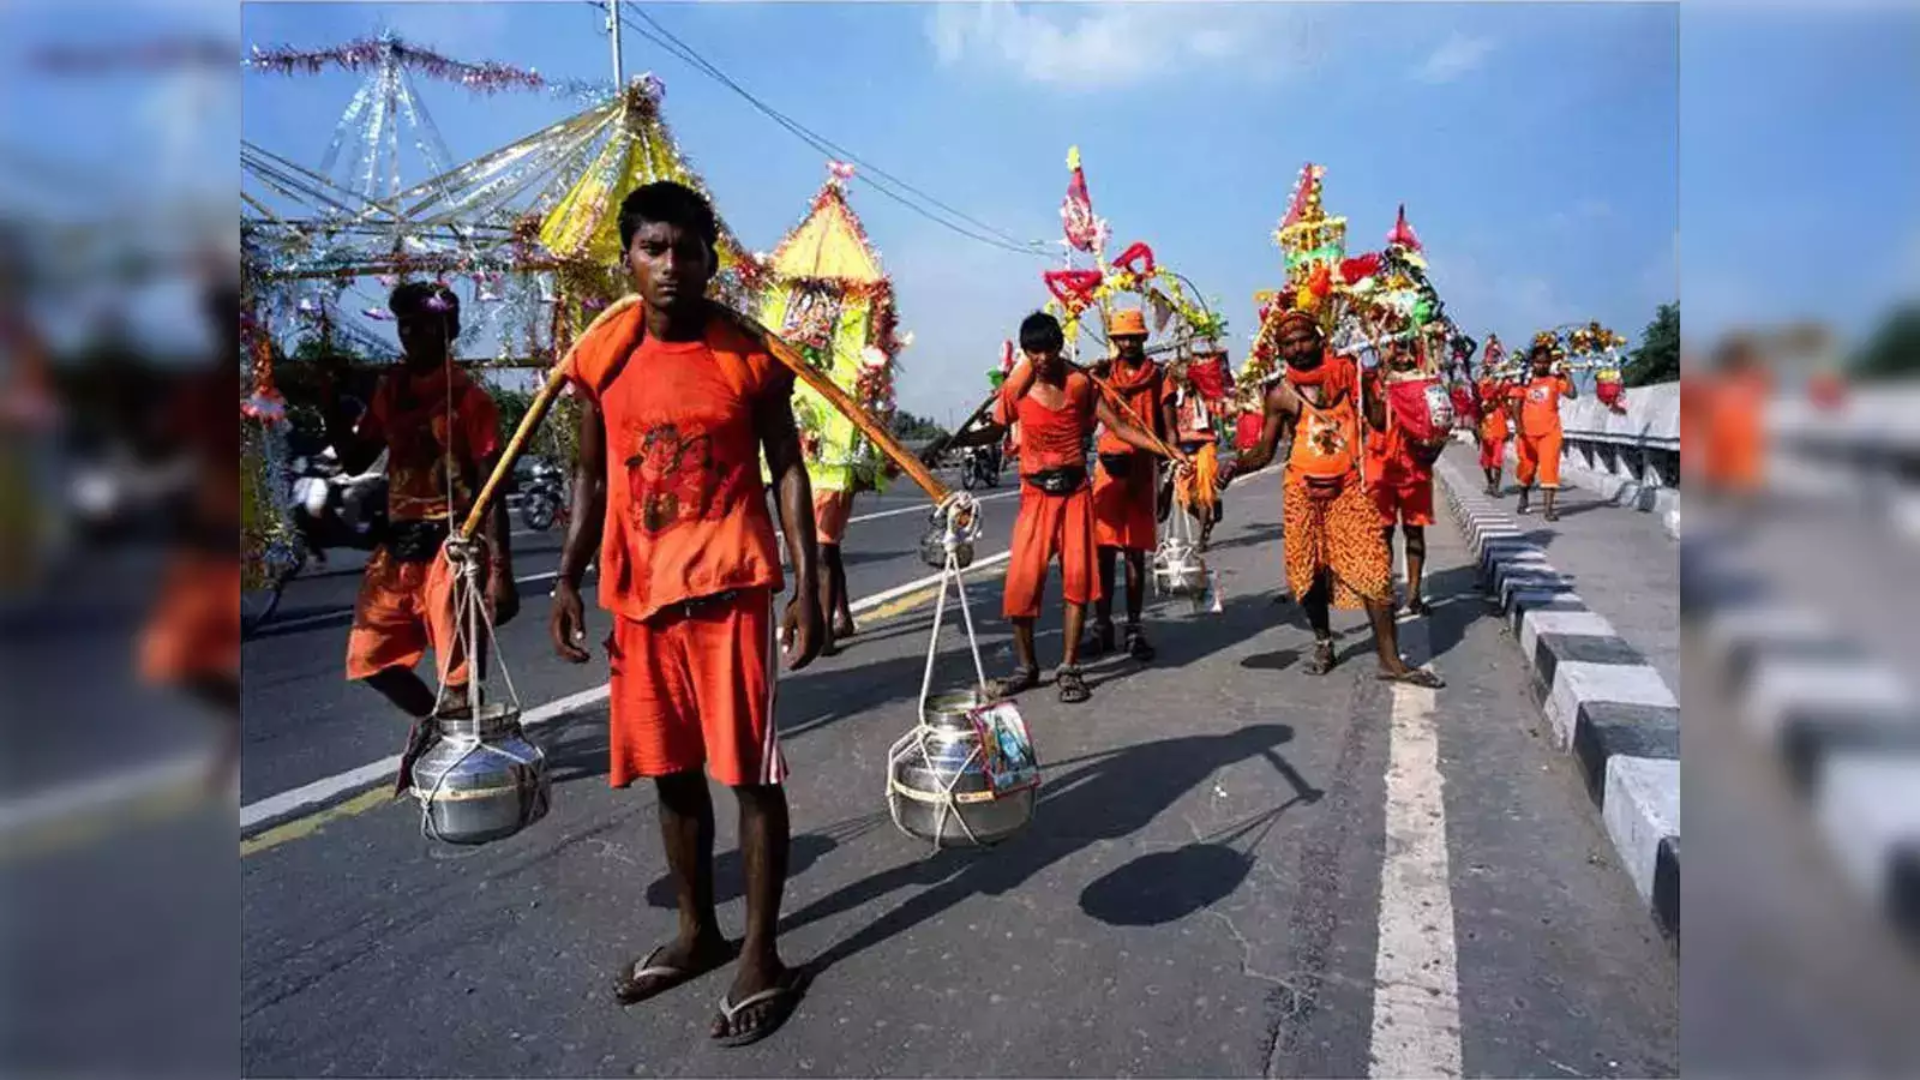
[
  {"x": 1137, "y": 646},
  {"x": 1416, "y": 566},
  {"x": 1526, "y": 494},
  {"x": 1386, "y": 641},
  {"x": 1552, "y": 514},
  {"x": 842, "y": 614},
  {"x": 407, "y": 691},
  {"x": 686, "y": 832},
  {"x": 1317, "y": 603},
  {"x": 1076, "y": 621},
  {"x": 830, "y": 583},
  {"x": 1102, "y": 642},
  {"x": 764, "y": 844}
]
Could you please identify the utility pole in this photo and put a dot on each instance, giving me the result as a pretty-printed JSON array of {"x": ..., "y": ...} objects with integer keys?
[{"x": 613, "y": 27}]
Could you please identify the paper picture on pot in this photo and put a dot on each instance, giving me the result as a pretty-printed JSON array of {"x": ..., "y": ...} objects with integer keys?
[{"x": 1006, "y": 751}]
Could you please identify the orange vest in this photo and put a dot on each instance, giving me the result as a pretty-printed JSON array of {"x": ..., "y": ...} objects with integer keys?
[
  {"x": 686, "y": 510},
  {"x": 1540, "y": 405},
  {"x": 1326, "y": 443}
]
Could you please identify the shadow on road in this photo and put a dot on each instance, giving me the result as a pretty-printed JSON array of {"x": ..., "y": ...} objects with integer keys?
[{"x": 1109, "y": 797}]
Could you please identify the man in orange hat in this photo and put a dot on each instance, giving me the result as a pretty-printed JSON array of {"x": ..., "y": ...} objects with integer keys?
[{"x": 1126, "y": 483}]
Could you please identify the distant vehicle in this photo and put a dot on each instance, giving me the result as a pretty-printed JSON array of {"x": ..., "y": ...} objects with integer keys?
[
  {"x": 980, "y": 467},
  {"x": 543, "y": 496}
]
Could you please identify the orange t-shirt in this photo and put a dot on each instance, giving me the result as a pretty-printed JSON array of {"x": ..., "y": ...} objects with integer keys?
[
  {"x": 1054, "y": 438},
  {"x": 1143, "y": 389},
  {"x": 1326, "y": 442},
  {"x": 686, "y": 509},
  {"x": 1493, "y": 410},
  {"x": 1540, "y": 404},
  {"x": 409, "y": 413}
]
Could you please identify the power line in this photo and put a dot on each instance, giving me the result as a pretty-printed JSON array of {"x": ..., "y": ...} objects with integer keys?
[{"x": 986, "y": 233}]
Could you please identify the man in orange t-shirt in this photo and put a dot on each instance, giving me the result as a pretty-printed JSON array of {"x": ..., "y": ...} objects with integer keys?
[
  {"x": 1538, "y": 450},
  {"x": 1125, "y": 485},
  {"x": 1056, "y": 406},
  {"x": 441, "y": 434},
  {"x": 678, "y": 403}
]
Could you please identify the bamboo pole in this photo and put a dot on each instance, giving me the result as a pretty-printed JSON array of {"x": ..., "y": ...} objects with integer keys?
[{"x": 780, "y": 350}]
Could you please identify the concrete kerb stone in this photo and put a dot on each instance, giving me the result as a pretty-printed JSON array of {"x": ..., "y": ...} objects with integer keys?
[
  {"x": 1641, "y": 809},
  {"x": 1847, "y": 729},
  {"x": 1605, "y": 705}
]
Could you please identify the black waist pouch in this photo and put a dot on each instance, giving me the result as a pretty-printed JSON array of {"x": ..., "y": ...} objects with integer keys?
[
  {"x": 415, "y": 541},
  {"x": 1118, "y": 466},
  {"x": 1062, "y": 481}
]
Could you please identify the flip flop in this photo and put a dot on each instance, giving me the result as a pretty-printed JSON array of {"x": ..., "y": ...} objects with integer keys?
[
  {"x": 1415, "y": 677},
  {"x": 783, "y": 995},
  {"x": 628, "y": 988},
  {"x": 1419, "y": 606}
]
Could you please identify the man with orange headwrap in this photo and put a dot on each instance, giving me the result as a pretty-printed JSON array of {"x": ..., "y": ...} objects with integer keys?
[
  {"x": 1496, "y": 421},
  {"x": 1335, "y": 554},
  {"x": 1189, "y": 416},
  {"x": 1125, "y": 484}
]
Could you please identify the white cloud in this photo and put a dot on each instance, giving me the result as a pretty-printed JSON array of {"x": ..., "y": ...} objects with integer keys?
[
  {"x": 1456, "y": 56},
  {"x": 1103, "y": 46}
]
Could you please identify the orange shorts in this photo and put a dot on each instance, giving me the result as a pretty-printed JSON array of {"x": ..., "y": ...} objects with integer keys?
[
  {"x": 831, "y": 509},
  {"x": 1408, "y": 502},
  {"x": 1051, "y": 525},
  {"x": 1493, "y": 452},
  {"x": 404, "y": 609},
  {"x": 696, "y": 687},
  {"x": 195, "y": 628},
  {"x": 1124, "y": 511},
  {"x": 1538, "y": 455}
]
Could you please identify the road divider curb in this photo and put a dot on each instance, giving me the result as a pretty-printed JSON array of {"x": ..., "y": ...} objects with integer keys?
[
  {"x": 1605, "y": 704},
  {"x": 1844, "y": 726}
]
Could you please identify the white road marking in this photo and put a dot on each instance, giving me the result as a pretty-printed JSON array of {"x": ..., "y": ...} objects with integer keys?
[
  {"x": 1416, "y": 986},
  {"x": 924, "y": 508},
  {"x": 69, "y": 800},
  {"x": 331, "y": 616}
]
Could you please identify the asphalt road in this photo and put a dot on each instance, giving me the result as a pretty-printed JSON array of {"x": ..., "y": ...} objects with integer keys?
[
  {"x": 1236, "y": 869},
  {"x": 305, "y": 722}
]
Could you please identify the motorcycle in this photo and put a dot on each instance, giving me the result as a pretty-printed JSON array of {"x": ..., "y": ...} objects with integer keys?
[
  {"x": 331, "y": 509},
  {"x": 544, "y": 498},
  {"x": 980, "y": 467}
]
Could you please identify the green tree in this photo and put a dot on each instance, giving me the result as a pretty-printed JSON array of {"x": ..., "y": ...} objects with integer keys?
[
  {"x": 1894, "y": 350},
  {"x": 1657, "y": 360},
  {"x": 909, "y": 427}
]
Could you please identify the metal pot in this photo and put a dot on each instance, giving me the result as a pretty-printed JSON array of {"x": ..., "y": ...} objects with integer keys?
[
  {"x": 933, "y": 549},
  {"x": 1178, "y": 570},
  {"x": 483, "y": 779},
  {"x": 936, "y": 788}
]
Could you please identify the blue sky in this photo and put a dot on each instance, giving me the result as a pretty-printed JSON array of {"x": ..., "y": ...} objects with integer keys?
[
  {"x": 1536, "y": 146},
  {"x": 1193, "y": 120}
]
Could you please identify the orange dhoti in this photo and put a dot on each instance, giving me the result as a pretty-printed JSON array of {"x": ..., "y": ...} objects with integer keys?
[
  {"x": 1199, "y": 490},
  {"x": 195, "y": 629},
  {"x": 1538, "y": 455},
  {"x": 1123, "y": 507},
  {"x": 404, "y": 609},
  {"x": 1340, "y": 535},
  {"x": 831, "y": 511},
  {"x": 1493, "y": 451},
  {"x": 1049, "y": 526}
]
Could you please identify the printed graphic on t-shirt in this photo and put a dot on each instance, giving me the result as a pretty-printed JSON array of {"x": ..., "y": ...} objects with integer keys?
[{"x": 671, "y": 478}]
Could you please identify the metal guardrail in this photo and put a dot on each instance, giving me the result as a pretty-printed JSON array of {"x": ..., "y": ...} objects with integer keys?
[{"x": 1638, "y": 447}]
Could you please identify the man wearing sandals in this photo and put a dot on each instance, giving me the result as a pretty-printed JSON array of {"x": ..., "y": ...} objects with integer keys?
[
  {"x": 1537, "y": 453},
  {"x": 1335, "y": 554},
  {"x": 678, "y": 404},
  {"x": 1400, "y": 477},
  {"x": 1056, "y": 406}
]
